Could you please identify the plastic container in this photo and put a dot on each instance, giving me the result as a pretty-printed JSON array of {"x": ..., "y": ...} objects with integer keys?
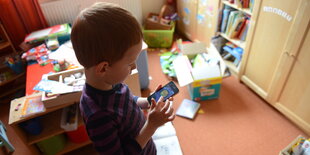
[
  {"x": 69, "y": 118},
  {"x": 159, "y": 38},
  {"x": 78, "y": 136},
  {"x": 32, "y": 126},
  {"x": 52, "y": 145},
  {"x": 142, "y": 66}
]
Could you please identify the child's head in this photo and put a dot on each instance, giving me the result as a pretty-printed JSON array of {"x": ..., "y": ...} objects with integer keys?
[{"x": 103, "y": 33}]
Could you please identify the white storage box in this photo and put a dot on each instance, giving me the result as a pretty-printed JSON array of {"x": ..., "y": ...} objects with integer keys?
[{"x": 69, "y": 118}]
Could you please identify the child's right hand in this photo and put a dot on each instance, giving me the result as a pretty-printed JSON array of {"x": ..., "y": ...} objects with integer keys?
[{"x": 160, "y": 113}]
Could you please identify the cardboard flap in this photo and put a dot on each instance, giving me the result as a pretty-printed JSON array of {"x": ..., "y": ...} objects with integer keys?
[
  {"x": 206, "y": 72},
  {"x": 193, "y": 48},
  {"x": 213, "y": 51},
  {"x": 182, "y": 70}
]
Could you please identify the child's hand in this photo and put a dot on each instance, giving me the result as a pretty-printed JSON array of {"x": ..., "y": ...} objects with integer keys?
[{"x": 160, "y": 113}]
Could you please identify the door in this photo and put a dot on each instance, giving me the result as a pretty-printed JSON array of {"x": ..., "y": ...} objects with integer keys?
[
  {"x": 275, "y": 22},
  {"x": 295, "y": 97}
]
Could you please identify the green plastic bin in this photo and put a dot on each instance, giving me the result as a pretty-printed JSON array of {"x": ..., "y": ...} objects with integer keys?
[
  {"x": 52, "y": 145},
  {"x": 158, "y": 38}
]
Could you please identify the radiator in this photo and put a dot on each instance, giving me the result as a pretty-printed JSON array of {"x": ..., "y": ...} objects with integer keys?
[{"x": 65, "y": 11}]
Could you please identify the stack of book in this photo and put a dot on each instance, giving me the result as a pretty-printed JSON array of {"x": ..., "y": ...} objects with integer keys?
[{"x": 235, "y": 24}]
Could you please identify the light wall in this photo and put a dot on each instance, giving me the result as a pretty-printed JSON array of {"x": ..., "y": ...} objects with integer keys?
[
  {"x": 65, "y": 11},
  {"x": 151, "y": 6}
]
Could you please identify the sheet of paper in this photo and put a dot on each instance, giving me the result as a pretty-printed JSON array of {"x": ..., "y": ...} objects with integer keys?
[
  {"x": 164, "y": 131},
  {"x": 66, "y": 52},
  {"x": 39, "y": 34},
  {"x": 166, "y": 140},
  {"x": 168, "y": 146}
]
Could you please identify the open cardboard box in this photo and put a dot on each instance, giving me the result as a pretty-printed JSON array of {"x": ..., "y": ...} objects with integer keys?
[
  {"x": 132, "y": 81},
  {"x": 203, "y": 81}
]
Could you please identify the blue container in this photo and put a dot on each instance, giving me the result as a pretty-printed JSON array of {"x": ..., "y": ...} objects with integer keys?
[
  {"x": 17, "y": 67},
  {"x": 32, "y": 126}
]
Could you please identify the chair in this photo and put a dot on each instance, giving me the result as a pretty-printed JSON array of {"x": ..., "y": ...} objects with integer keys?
[{"x": 4, "y": 141}]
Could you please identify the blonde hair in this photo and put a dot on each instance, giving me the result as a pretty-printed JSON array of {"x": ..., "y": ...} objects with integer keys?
[{"x": 104, "y": 32}]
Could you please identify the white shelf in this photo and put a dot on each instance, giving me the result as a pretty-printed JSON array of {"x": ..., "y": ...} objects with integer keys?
[
  {"x": 237, "y": 42},
  {"x": 232, "y": 67},
  {"x": 245, "y": 10}
]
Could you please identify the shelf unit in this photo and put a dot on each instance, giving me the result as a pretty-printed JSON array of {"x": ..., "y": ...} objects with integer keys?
[
  {"x": 242, "y": 44},
  {"x": 4, "y": 45},
  {"x": 5, "y": 42},
  {"x": 73, "y": 146},
  {"x": 16, "y": 82},
  {"x": 50, "y": 122},
  {"x": 237, "y": 42},
  {"x": 245, "y": 10}
]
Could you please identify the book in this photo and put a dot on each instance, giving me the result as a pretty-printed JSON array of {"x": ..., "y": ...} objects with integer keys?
[
  {"x": 236, "y": 27},
  {"x": 188, "y": 109},
  {"x": 244, "y": 31},
  {"x": 251, "y": 5},
  {"x": 40, "y": 35},
  {"x": 238, "y": 3},
  {"x": 232, "y": 16},
  {"x": 238, "y": 30},
  {"x": 166, "y": 140},
  {"x": 225, "y": 16},
  {"x": 32, "y": 105}
]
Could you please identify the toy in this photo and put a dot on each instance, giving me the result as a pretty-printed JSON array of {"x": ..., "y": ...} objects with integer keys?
[
  {"x": 39, "y": 53},
  {"x": 60, "y": 65}
]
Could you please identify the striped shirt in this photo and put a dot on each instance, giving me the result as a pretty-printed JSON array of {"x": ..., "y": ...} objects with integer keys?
[{"x": 113, "y": 120}]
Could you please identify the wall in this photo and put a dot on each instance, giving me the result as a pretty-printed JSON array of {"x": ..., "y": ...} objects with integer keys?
[{"x": 151, "y": 6}]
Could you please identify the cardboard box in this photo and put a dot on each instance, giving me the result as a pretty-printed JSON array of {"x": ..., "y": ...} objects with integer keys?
[
  {"x": 203, "y": 80},
  {"x": 286, "y": 150}
]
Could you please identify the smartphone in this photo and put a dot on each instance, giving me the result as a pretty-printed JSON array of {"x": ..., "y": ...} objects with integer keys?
[{"x": 167, "y": 91}]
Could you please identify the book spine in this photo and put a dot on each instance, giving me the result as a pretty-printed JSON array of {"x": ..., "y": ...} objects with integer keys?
[
  {"x": 245, "y": 30},
  {"x": 237, "y": 27},
  {"x": 226, "y": 13}
]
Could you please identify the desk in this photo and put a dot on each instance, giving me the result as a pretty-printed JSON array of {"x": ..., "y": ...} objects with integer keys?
[{"x": 34, "y": 75}]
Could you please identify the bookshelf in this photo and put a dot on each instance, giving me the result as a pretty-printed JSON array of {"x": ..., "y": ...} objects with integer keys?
[
  {"x": 237, "y": 42},
  {"x": 245, "y": 10},
  {"x": 10, "y": 82},
  {"x": 234, "y": 27}
]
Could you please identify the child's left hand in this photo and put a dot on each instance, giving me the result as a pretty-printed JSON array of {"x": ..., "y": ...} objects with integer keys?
[{"x": 143, "y": 102}]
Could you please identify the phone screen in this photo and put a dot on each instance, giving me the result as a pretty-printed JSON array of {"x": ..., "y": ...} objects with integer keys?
[{"x": 167, "y": 91}]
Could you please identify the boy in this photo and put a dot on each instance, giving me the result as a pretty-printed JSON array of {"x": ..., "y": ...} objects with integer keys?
[{"x": 107, "y": 41}]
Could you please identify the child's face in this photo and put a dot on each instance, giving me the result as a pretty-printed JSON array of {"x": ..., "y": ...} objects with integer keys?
[{"x": 119, "y": 70}]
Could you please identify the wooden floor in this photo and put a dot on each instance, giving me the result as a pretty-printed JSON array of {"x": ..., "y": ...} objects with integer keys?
[{"x": 238, "y": 123}]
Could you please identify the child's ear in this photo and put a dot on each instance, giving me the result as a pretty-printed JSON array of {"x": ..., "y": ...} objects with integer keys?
[{"x": 101, "y": 68}]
